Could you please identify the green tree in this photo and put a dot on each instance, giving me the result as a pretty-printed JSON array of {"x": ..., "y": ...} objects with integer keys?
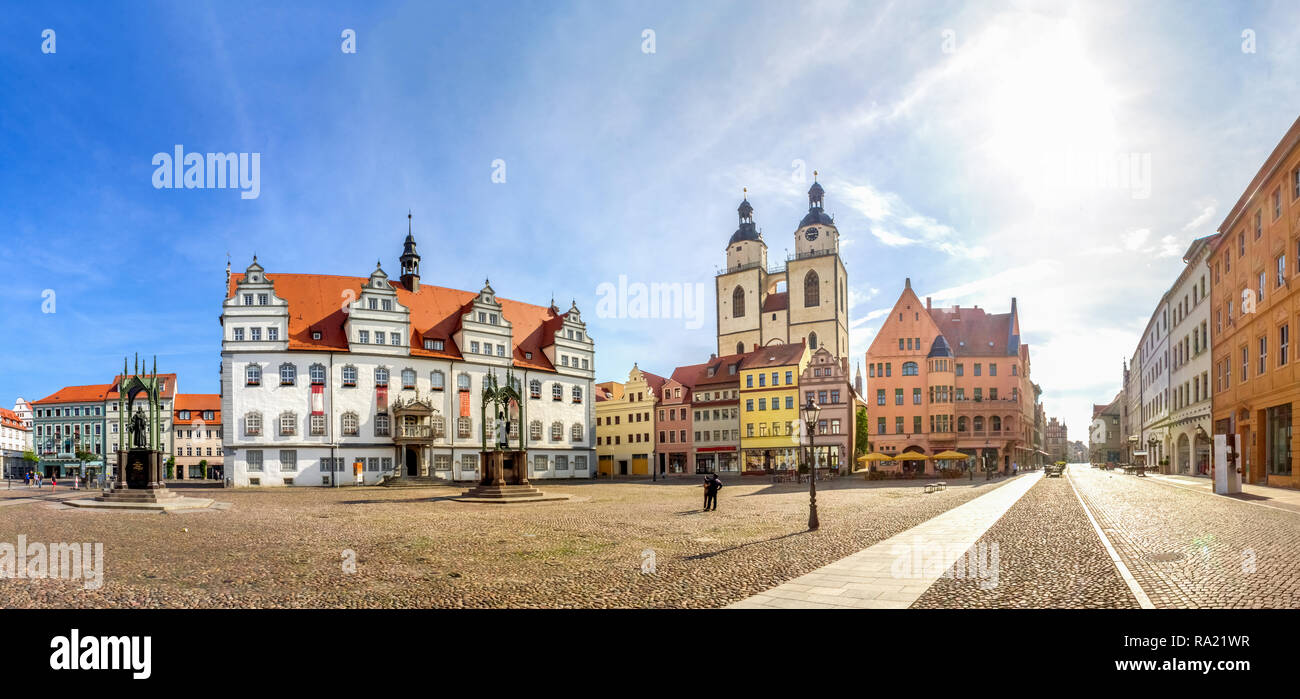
[
  {"x": 171, "y": 465},
  {"x": 203, "y": 467},
  {"x": 861, "y": 440},
  {"x": 85, "y": 456}
]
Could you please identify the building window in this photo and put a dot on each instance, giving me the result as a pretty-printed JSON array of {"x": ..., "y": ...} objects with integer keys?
[
  {"x": 535, "y": 388},
  {"x": 1283, "y": 344},
  {"x": 463, "y": 427},
  {"x": 363, "y": 337},
  {"x": 911, "y": 369},
  {"x": 253, "y": 425},
  {"x": 289, "y": 460},
  {"x": 381, "y": 425},
  {"x": 253, "y": 457},
  {"x": 349, "y": 376},
  {"x": 439, "y": 427},
  {"x": 408, "y": 379},
  {"x": 317, "y": 374},
  {"x": 288, "y": 424},
  {"x": 381, "y": 376},
  {"x": 880, "y": 396},
  {"x": 436, "y": 380},
  {"x": 811, "y": 289},
  {"x": 434, "y": 345},
  {"x": 253, "y": 375},
  {"x": 738, "y": 307},
  {"x": 557, "y": 391},
  {"x": 575, "y": 432},
  {"x": 462, "y": 382},
  {"x": 273, "y": 334},
  {"x": 535, "y": 430},
  {"x": 577, "y": 394},
  {"x": 557, "y": 431},
  {"x": 348, "y": 423},
  {"x": 1263, "y": 354}
]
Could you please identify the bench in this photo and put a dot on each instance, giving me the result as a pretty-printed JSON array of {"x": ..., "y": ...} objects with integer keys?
[
  {"x": 933, "y": 487},
  {"x": 782, "y": 477}
]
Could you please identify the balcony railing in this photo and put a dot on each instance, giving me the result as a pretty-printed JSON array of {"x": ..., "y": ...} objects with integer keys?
[{"x": 415, "y": 431}]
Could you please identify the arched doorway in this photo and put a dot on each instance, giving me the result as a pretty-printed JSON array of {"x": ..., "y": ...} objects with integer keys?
[{"x": 1184, "y": 454}]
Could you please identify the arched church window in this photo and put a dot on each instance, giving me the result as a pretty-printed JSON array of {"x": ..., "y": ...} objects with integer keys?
[
  {"x": 738, "y": 303},
  {"x": 812, "y": 341},
  {"x": 740, "y": 348},
  {"x": 811, "y": 289},
  {"x": 910, "y": 369}
]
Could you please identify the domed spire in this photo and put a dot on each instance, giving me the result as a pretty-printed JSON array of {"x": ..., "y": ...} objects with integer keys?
[
  {"x": 410, "y": 259},
  {"x": 746, "y": 210},
  {"x": 747, "y": 229},
  {"x": 815, "y": 193},
  {"x": 815, "y": 213}
]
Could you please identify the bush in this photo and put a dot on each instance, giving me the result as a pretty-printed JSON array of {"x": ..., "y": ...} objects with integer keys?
[{"x": 952, "y": 473}]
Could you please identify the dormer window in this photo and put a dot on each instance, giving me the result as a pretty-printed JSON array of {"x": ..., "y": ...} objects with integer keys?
[
  {"x": 315, "y": 335},
  {"x": 184, "y": 415},
  {"x": 263, "y": 299},
  {"x": 435, "y": 345},
  {"x": 482, "y": 317},
  {"x": 373, "y": 304},
  {"x": 388, "y": 304},
  {"x": 492, "y": 318},
  {"x": 528, "y": 355},
  {"x": 248, "y": 299}
]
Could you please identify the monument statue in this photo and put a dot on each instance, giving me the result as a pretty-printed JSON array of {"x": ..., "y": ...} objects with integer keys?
[{"x": 139, "y": 430}]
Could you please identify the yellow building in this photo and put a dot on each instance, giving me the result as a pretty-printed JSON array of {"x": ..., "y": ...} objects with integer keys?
[
  {"x": 625, "y": 427},
  {"x": 769, "y": 406}
]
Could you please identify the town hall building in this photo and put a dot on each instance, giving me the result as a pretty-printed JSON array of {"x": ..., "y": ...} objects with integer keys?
[{"x": 327, "y": 378}]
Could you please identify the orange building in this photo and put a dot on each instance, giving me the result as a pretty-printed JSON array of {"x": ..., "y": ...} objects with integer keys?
[
  {"x": 951, "y": 378},
  {"x": 1256, "y": 384}
]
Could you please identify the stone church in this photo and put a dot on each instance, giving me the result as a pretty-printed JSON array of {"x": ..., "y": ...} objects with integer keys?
[{"x": 801, "y": 299}]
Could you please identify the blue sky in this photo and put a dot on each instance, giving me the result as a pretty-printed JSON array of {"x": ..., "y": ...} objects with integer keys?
[{"x": 932, "y": 125}]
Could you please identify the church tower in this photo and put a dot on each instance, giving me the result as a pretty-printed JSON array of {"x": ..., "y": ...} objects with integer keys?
[
  {"x": 817, "y": 280},
  {"x": 742, "y": 287},
  {"x": 806, "y": 300},
  {"x": 410, "y": 260}
]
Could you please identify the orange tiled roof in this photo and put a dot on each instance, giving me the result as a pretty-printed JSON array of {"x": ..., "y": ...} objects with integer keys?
[
  {"x": 773, "y": 355},
  {"x": 778, "y": 301},
  {"x": 196, "y": 403},
  {"x": 314, "y": 306},
  {"x": 10, "y": 419},
  {"x": 76, "y": 394},
  {"x": 973, "y": 331},
  {"x": 720, "y": 374}
]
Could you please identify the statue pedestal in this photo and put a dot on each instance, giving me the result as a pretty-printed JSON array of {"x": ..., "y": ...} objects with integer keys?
[{"x": 505, "y": 480}]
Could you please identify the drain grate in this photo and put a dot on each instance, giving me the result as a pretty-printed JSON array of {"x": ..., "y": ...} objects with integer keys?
[{"x": 1165, "y": 557}]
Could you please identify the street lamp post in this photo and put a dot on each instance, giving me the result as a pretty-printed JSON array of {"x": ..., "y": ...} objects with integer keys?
[{"x": 808, "y": 413}]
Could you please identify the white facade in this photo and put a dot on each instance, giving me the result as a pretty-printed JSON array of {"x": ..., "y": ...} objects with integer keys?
[
  {"x": 1155, "y": 384},
  {"x": 1190, "y": 419},
  {"x": 271, "y": 437}
]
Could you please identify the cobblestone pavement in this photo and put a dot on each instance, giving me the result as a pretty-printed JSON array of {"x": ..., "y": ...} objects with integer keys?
[
  {"x": 1190, "y": 549},
  {"x": 1048, "y": 555},
  {"x": 286, "y": 547}
]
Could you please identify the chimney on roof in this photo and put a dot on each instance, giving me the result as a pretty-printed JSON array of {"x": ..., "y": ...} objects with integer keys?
[
  {"x": 907, "y": 282},
  {"x": 927, "y": 303},
  {"x": 755, "y": 346},
  {"x": 712, "y": 356}
]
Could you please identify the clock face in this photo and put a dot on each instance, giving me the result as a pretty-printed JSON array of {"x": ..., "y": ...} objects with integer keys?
[{"x": 810, "y": 234}]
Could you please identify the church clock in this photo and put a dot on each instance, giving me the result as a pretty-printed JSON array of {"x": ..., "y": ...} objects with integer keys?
[{"x": 810, "y": 234}]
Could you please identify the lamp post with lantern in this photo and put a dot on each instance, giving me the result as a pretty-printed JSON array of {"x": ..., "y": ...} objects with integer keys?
[{"x": 809, "y": 413}]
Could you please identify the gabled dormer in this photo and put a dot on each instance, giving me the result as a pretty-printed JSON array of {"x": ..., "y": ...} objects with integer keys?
[
  {"x": 484, "y": 334},
  {"x": 253, "y": 318},
  {"x": 376, "y": 322},
  {"x": 571, "y": 350}
]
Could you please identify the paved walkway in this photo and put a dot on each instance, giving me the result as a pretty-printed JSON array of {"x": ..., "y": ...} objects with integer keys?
[
  {"x": 1268, "y": 496},
  {"x": 868, "y": 580}
]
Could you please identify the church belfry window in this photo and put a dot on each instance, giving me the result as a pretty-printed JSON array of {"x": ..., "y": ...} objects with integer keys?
[
  {"x": 738, "y": 303},
  {"x": 811, "y": 289}
]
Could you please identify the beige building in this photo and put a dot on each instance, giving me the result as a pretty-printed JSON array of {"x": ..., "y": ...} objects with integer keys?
[
  {"x": 625, "y": 425},
  {"x": 196, "y": 424}
]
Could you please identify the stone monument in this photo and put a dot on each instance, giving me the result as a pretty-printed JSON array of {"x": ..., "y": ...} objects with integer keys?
[{"x": 503, "y": 469}]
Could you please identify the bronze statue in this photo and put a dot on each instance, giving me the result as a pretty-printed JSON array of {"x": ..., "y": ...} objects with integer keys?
[{"x": 139, "y": 425}]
